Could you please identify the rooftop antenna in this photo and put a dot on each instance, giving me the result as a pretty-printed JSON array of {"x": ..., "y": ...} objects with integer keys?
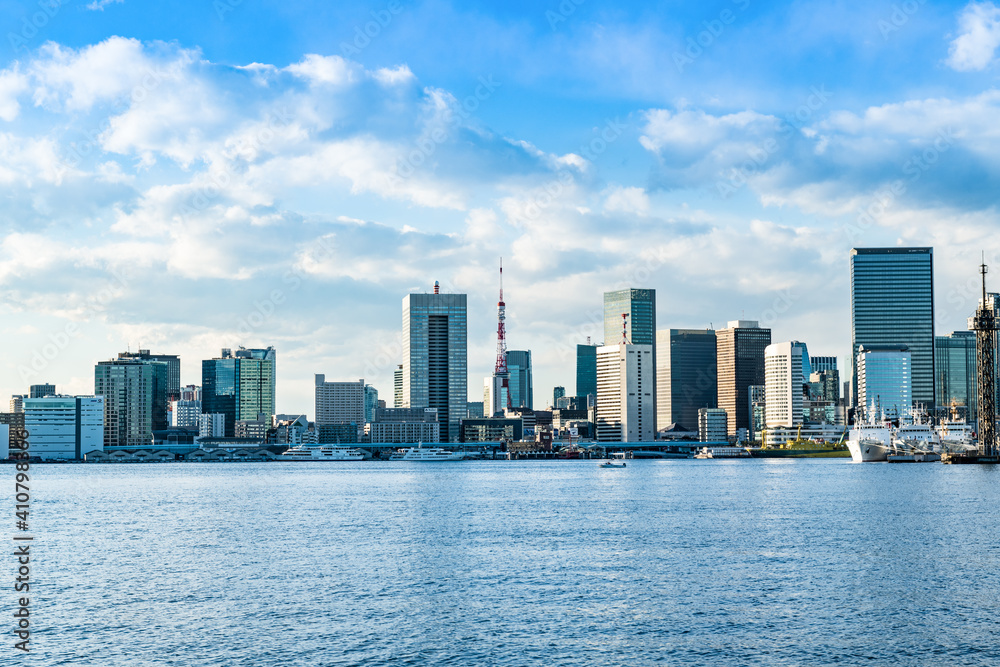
[
  {"x": 625, "y": 328},
  {"x": 500, "y": 370}
]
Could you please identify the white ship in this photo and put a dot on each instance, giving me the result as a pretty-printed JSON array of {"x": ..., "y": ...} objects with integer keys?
[
  {"x": 918, "y": 436},
  {"x": 427, "y": 454},
  {"x": 322, "y": 453},
  {"x": 871, "y": 440}
]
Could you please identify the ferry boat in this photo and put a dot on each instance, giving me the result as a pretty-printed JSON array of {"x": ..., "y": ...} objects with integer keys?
[
  {"x": 427, "y": 454},
  {"x": 322, "y": 453}
]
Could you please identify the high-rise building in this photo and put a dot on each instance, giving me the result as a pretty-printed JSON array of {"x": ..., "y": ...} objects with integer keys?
[
  {"x": 784, "y": 383},
  {"x": 185, "y": 413},
  {"x": 757, "y": 396},
  {"x": 65, "y": 427},
  {"x": 686, "y": 378},
  {"x": 624, "y": 411},
  {"x": 435, "y": 357},
  {"x": 17, "y": 403},
  {"x": 892, "y": 303},
  {"x": 41, "y": 390},
  {"x": 340, "y": 403},
  {"x": 740, "y": 364},
  {"x": 191, "y": 392},
  {"x": 639, "y": 307},
  {"x": 495, "y": 398},
  {"x": 173, "y": 363},
  {"x": 371, "y": 402},
  {"x": 884, "y": 380},
  {"x": 404, "y": 425},
  {"x": 557, "y": 393},
  {"x": 820, "y": 364},
  {"x": 519, "y": 374},
  {"x": 135, "y": 400},
  {"x": 712, "y": 425},
  {"x": 212, "y": 425},
  {"x": 955, "y": 365},
  {"x": 397, "y": 387},
  {"x": 586, "y": 369},
  {"x": 239, "y": 386}
]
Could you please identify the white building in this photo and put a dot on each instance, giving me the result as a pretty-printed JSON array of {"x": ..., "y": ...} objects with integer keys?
[
  {"x": 784, "y": 365},
  {"x": 64, "y": 427},
  {"x": 713, "y": 425},
  {"x": 885, "y": 380},
  {"x": 494, "y": 396},
  {"x": 625, "y": 403},
  {"x": 17, "y": 403},
  {"x": 212, "y": 425},
  {"x": 185, "y": 413}
]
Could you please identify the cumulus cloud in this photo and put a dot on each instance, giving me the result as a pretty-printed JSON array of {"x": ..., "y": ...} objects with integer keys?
[{"x": 978, "y": 39}]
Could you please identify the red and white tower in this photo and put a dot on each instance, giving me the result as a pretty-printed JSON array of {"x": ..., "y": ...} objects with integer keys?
[{"x": 500, "y": 371}]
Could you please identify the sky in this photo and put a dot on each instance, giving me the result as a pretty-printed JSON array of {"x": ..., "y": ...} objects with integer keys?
[{"x": 188, "y": 176}]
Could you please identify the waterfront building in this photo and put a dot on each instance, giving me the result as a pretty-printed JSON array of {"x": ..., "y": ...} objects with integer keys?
[
  {"x": 492, "y": 430},
  {"x": 15, "y": 422},
  {"x": 586, "y": 369},
  {"x": 173, "y": 362},
  {"x": 41, "y": 390},
  {"x": 66, "y": 427},
  {"x": 740, "y": 364},
  {"x": 955, "y": 365},
  {"x": 712, "y": 425},
  {"x": 519, "y": 374},
  {"x": 289, "y": 430},
  {"x": 686, "y": 378},
  {"x": 784, "y": 383},
  {"x": 892, "y": 303},
  {"x": 639, "y": 306},
  {"x": 185, "y": 414},
  {"x": 884, "y": 380},
  {"x": 822, "y": 434},
  {"x": 404, "y": 425},
  {"x": 212, "y": 425},
  {"x": 435, "y": 357},
  {"x": 557, "y": 393},
  {"x": 397, "y": 387},
  {"x": 252, "y": 429},
  {"x": 239, "y": 385},
  {"x": 624, "y": 411},
  {"x": 341, "y": 403},
  {"x": 135, "y": 400},
  {"x": 371, "y": 402}
]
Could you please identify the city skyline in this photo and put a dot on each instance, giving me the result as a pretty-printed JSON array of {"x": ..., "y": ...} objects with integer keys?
[{"x": 734, "y": 194}]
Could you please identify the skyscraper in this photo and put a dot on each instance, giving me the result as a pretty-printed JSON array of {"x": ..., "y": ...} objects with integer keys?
[
  {"x": 397, "y": 387},
  {"x": 557, "y": 393},
  {"x": 639, "y": 305},
  {"x": 519, "y": 374},
  {"x": 435, "y": 357},
  {"x": 586, "y": 369},
  {"x": 884, "y": 380},
  {"x": 892, "y": 303},
  {"x": 135, "y": 400},
  {"x": 783, "y": 383},
  {"x": 624, "y": 411},
  {"x": 371, "y": 402},
  {"x": 740, "y": 362},
  {"x": 340, "y": 404},
  {"x": 239, "y": 386},
  {"x": 955, "y": 365},
  {"x": 686, "y": 378},
  {"x": 173, "y": 363}
]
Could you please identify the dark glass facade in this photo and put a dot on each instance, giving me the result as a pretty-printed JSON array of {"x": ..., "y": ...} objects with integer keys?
[
  {"x": 686, "y": 378},
  {"x": 173, "y": 363},
  {"x": 522, "y": 393},
  {"x": 740, "y": 365},
  {"x": 640, "y": 306},
  {"x": 586, "y": 370},
  {"x": 240, "y": 386},
  {"x": 955, "y": 368},
  {"x": 892, "y": 303}
]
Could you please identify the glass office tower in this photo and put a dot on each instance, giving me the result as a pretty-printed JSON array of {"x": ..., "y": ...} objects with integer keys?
[
  {"x": 522, "y": 394},
  {"x": 640, "y": 306},
  {"x": 239, "y": 386},
  {"x": 884, "y": 380},
  {"x": 435, "y": 357},
  {"x": 892, "y": 303},
  {"x": 686, "y": 378},
  {"x": 955, "y": 366},
  {"x": 739, "y": 358},
  {"x": 586, "y": 370}
]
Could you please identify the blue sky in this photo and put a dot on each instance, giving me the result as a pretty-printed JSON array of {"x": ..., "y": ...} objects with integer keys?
[{"x": 192, "y": 176}]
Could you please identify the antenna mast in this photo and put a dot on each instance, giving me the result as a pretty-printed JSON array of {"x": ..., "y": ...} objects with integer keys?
[{"x": 500, "y": 371}]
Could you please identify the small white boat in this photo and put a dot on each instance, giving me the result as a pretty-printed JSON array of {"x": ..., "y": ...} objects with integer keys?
[
  {"x": 704, "y": 453},
  {"x": 618, "y": 462},
  {"x": 322, "y": 453}
]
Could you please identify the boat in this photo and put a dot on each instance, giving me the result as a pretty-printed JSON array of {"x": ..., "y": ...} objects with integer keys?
[
  {"x": 704, "y": 453},
  {"x": 322, "y": 453},
  {"x": 608, "y": 463},
  {"x": 871, "y": 439},
  {"x": 427, "y": 454}
]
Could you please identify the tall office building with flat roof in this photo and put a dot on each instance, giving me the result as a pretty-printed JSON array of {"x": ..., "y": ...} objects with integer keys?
[
  {"x": 686, "y": 379},
  {"x": 892, "y": 303},
  {"x": 173, "y": 363},
  {"x": 625, "y": 403},
  {"x": 640, "y": 325},
  {"x": 522, "y": 393},
  {"x": 955, "y": 365},
  {"x": 884, "y": 380},
  {"x": 435, "y": 357},
  {"x": 135, "y": 400},
  {"x": 586, "y": 369},
  {"x": 740, "y": 363},
  {"x": 239, "y": 385}
]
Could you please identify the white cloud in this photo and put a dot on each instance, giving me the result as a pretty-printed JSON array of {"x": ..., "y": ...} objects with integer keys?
[
  {"x": 976, "y": 45},
  {"x": 99, "y": 5},
  {"x": 318, "y": 69}
]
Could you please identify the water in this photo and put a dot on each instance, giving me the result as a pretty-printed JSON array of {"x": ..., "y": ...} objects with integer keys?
[{"x": 514, "y": 563}]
